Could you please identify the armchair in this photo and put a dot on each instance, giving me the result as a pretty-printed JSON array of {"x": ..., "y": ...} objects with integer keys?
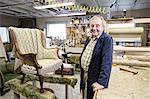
[
  {"x": 6, "y": 69},
  {"x": 34, "y": 58}
]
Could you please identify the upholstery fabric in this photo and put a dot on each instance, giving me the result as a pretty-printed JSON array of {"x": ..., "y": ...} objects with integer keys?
[
  {"x": 6, "y": 69},
  {"x": 26, "y": 40},
  {"x": 66, "y": 79},
  {"x": 30, "y": 41},
  {"x": 2, "y": 50},
  {"x": 48, "y": 66},
  {"x": 29, "y": 90},
  {"x": 50, "y": 53}
]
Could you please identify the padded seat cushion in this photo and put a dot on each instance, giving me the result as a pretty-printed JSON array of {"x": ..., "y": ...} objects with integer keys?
[{"x": 48, "y": 66}]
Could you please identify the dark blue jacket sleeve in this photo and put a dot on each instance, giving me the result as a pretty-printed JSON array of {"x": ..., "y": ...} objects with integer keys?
[{"x": 107, "y": 52}]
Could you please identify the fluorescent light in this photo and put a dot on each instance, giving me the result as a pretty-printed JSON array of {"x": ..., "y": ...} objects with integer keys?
[
  {"x": 55, "y": 5},
  {"x": 71, "y": 14}
]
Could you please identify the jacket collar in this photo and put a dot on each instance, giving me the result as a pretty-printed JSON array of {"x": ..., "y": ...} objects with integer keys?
[
  {"x": 98, "y": 43},
  {"x": 100, "y": 37}
]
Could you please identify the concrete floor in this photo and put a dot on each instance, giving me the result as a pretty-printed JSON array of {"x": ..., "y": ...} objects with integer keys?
[{"x": 123, "y": 85}]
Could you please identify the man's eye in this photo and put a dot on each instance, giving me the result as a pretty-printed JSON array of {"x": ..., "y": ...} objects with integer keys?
[
  {"x": 92, "y": 25},
  {"x": 97, "y": 25}
]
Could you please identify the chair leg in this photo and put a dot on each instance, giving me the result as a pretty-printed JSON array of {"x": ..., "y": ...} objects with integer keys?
[
  {"x": 2, "y": 81},
  {"x": 23, "y": 77},
  {"x": 1, "y": 91},
  {"x": 5, "y": 90},
  {"x": 62, "y": 67},
  {"x": 16, "y": 96},
  {"x": 41, "y": 83}
]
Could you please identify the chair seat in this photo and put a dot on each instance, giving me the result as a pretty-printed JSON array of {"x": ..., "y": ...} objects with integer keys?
[{"x": 48, "y": 66}]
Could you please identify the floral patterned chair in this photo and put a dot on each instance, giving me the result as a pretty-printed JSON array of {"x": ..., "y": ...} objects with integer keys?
[{"x": 32, "y": 56}]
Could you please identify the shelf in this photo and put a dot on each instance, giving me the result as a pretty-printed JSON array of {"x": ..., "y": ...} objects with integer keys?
[{"x": 120, "y": 19}]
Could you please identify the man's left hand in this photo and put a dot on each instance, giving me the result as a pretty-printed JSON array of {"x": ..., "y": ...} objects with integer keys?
[{"x": 96, "y": 86}]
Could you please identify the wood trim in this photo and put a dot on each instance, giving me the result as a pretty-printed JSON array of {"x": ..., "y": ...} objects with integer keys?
[
  {"x": 120, "y": 19},
  {"x": 42, "y": 38},
  {"x": 58, "y": 53},
  {"x": 131, "y": 20}
]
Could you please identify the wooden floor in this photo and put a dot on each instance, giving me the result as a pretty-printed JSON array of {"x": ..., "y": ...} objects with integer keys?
[{"x": 123, "y": 85}]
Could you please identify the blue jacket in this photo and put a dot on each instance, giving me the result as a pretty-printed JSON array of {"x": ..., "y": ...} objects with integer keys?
[{"x": 101, "y": 61}]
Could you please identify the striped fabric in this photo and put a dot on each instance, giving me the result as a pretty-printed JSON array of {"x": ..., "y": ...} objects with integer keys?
[
  {"x": 26, "y": 39},
  {"x": 30, "y": 41},
  {"x": 2, "y": 50}
]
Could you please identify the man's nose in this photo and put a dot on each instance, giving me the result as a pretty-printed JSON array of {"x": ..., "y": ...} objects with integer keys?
[{"x": 94, "y": 27}]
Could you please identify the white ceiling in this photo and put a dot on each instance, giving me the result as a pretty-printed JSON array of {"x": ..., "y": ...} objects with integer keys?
[{"x": 24, "y": 8}]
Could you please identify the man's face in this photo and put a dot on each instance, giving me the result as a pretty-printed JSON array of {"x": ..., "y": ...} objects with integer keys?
[{"x": 96, "y": 27}]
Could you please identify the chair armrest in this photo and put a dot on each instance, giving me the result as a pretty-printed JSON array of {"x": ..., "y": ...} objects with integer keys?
[
  {"x": 30, "y": 59},
  {"x": 10, "y": 66},
  {"x": 67, "y": 54},
  {"x": 3, "y": 65},
  {"x": 51, "y": 53}
]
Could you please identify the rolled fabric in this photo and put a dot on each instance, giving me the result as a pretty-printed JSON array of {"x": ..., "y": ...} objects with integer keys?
[
  {"x": 132, "y": 49},
  {"x": 138, "y": 57},
  {"x": 131, "y": 63},
  {"x": 126, "y": 30}
]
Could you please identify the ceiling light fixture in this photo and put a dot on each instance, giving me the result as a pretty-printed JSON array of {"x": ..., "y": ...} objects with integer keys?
[
  {"x": 72, "y": 14},
  {"x": 55, "y": 5}
]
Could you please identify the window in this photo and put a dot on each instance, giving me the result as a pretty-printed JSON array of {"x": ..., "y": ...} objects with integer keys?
[
  {"x": 4, "y": 34},
  {"x": 57, "y": 30}
]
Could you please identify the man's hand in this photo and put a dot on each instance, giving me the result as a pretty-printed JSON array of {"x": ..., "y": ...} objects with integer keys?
[{"x": 96, "y": 86}]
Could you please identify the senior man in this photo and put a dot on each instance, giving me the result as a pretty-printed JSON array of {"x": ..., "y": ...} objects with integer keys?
[{"x": 96, "y": 58}]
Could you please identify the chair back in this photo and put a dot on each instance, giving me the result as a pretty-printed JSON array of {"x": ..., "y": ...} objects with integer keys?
[{"x": 27, "y": 41}]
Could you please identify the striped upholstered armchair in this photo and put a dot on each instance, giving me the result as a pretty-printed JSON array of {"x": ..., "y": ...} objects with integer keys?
[{"x": 34, "y": 58}]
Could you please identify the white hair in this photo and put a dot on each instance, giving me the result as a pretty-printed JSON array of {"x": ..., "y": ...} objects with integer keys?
[{"x": 98, "y": 17}]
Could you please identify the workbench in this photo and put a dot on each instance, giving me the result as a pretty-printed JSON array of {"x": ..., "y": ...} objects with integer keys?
[{"x": 28, "y": 90}]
